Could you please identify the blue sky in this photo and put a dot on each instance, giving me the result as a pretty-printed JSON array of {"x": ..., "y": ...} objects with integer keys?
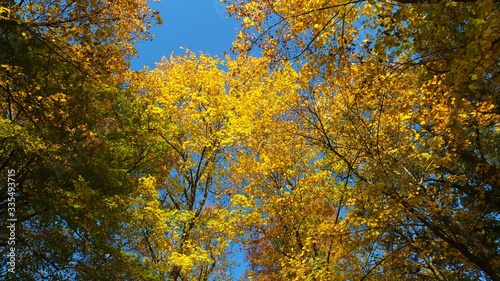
[{"x": 197, "y": 25}]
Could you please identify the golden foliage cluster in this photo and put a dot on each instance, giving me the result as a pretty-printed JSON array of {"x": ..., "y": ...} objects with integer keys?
[{"x": 361, "y": 145}]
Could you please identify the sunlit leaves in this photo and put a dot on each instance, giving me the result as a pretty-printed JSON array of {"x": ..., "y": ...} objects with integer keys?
[
  {"x": 401, "y": 100},
  {"x": 63, "y": 107},
  {"x": 362, "y": 145}
]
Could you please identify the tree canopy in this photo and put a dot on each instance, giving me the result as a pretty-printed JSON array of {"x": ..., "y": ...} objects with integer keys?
[{"x": 361, "y": 144}]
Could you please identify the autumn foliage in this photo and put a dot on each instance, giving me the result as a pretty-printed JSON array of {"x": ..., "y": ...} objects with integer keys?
[{"x": 361, "y": 144}]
